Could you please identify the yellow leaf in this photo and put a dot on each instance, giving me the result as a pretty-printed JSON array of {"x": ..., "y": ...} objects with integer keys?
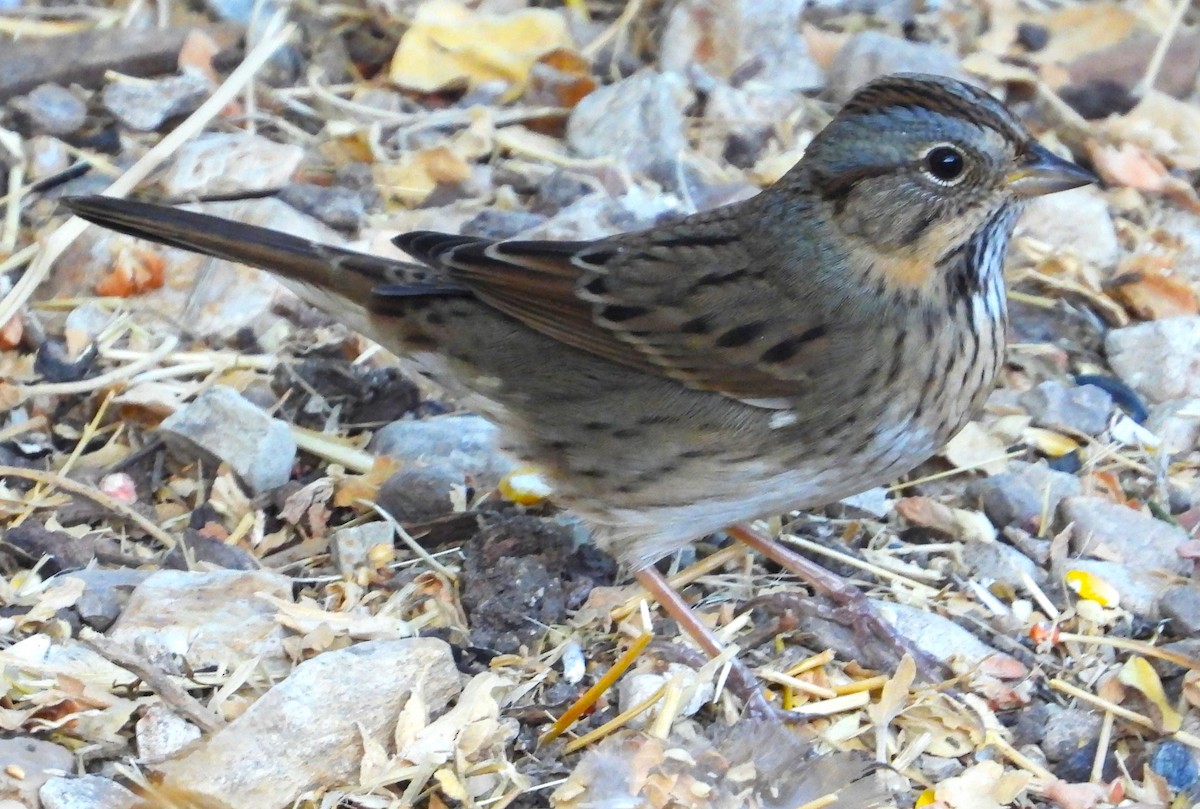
[
  {"x": 1137, "y": 673},
  {"x": 449, "y": 45}
]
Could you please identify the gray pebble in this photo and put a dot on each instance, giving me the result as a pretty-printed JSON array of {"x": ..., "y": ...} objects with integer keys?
[
  {"x": 1058, "y": 406},
  {"x": 1020, "y": 496},
  {"x": 1067, "y": 730},
  {"x": 146, "y": 104},
  {"x": 1106, "y": 530},
  {"x": 221, "y": 425},
  {"x": 54, "y": 110},
  {"x": 1181, "y": 606},
  {"x": 340, "y": 208},
  {"x": 1159, "y": 359}
]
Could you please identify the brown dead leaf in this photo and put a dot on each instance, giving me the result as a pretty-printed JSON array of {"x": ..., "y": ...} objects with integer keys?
[
  {"x": 134, "y": 271},
  {"x": 1129, "y": 165},
  {"x": 1146, "y": 287},
  {"x": 352, "y": 488},
  {"x": 560, "y": 78}
]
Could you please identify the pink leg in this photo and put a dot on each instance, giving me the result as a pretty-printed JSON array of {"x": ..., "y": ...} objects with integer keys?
[{"x": 742, "y": 681}]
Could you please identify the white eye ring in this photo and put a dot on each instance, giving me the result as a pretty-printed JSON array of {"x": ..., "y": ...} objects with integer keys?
[{"x": 944, "y": 164}]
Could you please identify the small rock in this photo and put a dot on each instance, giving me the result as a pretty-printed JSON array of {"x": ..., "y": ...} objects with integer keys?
[
  {"x": 1058, "y": 406},
  {"x": 1106, "y": 530},
  {"x": 105, "y": 594},
  {"x": 1159, "y": 359},
  {"x": 1077, "y": 221},
  {"x": 27, "y": 763},
  {"x": 438, "y": 454},
  {"x": 872, "y": 54},
  {"x": 493, "y": 224},
  {"x": 937, "y": 636},
  {"x": 1177, "y": 425},
  {"x": 745, "y": 117},
  {"x": 1030, "y": 724},
  {"x": 612, "y": 121},
  {"x": 220, "y": 425},
  {"x": 47, "y": 156},
  {"x": 1176, "y": 764},
  {"x": 762, "y": 40},
  {"x": 341, "y": 208},
  {"x": 1032, "y": 37},
  {"x": 598, "y": 215},
  {"x": 195, "y": 550},
  {"x": 54, "y": 110},
  {"x": 211, "y": 619},
  {"x": 1181, "y": 606},
  {"x": 144, "y": 105},
  {"x": 1067, "y": 730},
  {"x": 62, "y": 551},
  {"x": 310, "y": 728},
  {"x": 86, "y": 792},
  {"x": 220, "y": 164},
  {"x": 997, "y": 562},
  {"x": 161, "y": 733},
  {"x": 1021, "y": 495},
  {"x": 559, "y": 190},
  {"x": 350, "y": 546}
]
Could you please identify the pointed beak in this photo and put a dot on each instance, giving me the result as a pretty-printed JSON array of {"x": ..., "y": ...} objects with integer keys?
[{"x": 1039, "y": 171}]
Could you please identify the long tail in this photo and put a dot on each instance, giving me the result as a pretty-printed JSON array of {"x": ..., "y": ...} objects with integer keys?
[{"x": 345, "y": 273}]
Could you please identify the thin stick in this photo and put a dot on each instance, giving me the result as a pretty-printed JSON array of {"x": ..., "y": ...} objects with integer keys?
[
  {"x": 174, "y": 695},
  {"x": 616, "y": 723},
  {"x": 93, "y": 494},
  {"x": 592, "y": 694}
]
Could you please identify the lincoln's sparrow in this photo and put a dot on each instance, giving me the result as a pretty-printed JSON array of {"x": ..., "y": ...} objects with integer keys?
[{"x": 818, "y": 339}]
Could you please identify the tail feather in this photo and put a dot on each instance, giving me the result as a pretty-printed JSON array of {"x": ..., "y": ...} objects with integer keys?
[{"x": 346, "y": 273}]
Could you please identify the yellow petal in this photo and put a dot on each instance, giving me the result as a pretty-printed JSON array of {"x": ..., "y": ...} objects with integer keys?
[
  {"x": 524, "y": 486},
  {"x": 1093, "y": 588},
  {"x": 1048, "y": 442}
]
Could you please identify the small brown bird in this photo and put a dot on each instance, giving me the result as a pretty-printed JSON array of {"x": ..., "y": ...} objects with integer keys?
[{"x": 780, "y": 353}]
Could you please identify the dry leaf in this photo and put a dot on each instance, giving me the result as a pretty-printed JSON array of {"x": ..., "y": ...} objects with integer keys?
[
  {"x": 983, "y": 786},
  {"x": 1149, "y": 290},
  {"x": 1137, "y": 673},
  {"x": 974, "y": 447},
  {"x": 134, "y": 271},
  {"x": 451, "y": 46}
]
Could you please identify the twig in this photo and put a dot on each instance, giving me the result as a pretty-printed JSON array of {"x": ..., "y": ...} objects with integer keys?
[
  {"x": 159, "y": 681},
  {"x": 93, "y": 494}
]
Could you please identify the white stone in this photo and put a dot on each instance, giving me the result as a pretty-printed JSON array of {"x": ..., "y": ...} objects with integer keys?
[
  {"x": 1159, "y": 359},
  {"x": 212, "y": 618},
  {"x": 1075, "y": 221},
  {"x": 308, "y": 730}
]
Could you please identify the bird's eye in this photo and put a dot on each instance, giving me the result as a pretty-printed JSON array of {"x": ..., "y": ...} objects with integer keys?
[{"x": 945, "y": 164}]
